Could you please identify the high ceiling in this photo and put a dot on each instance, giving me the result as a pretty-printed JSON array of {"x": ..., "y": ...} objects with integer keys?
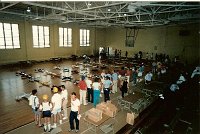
[{"x": 104, "y": 14}]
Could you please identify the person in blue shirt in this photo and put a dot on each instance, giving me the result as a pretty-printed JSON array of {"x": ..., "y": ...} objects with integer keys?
[{"x": 107, "y": 84}]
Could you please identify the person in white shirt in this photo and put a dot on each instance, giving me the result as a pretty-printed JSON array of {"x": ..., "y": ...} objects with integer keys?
[
  {"x": 64, "y": 94},
  {"x": 195, "y": 72},
  {"x": 96, "y": 89},
  {"x": 89, "y": 89},
  {"x": 75, "y": 111},
  {"x": 103, "y": 74},
  {"x": 45, "y": 107},
  {"x": 56, "y": 101},
  {"x": 34, "y": 102},
  {"x": 163, "y": 70},
  {"x": 148, "y": 77},
  {"x": 181, "y": 79}
]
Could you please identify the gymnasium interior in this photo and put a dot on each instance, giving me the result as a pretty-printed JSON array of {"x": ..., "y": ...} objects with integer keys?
[{"x": 43, "y": 42}]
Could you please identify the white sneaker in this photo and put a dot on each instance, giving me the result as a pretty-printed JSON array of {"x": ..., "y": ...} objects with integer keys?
[{"x": 64, "y": 118}]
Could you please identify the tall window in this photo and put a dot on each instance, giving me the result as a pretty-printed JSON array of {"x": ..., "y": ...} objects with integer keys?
[
  {"x": 9, "y": 36},
  {"x": 84, "y": 37},
  {"x": 65, "y": 37},
  {"x": 40, "y": 36}
]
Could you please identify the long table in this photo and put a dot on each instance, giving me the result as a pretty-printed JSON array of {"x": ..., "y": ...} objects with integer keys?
[
  {"x": 131, "y": 99},
  {"x": 94, "y": 125}
]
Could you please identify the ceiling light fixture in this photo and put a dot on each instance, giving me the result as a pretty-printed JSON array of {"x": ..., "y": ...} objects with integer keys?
[
  {"x": 109, "y": 9},
  {"x": 125, "y": 14},
  {"x": 28, "y": 10},
  {"x": 89, "y": 4}
]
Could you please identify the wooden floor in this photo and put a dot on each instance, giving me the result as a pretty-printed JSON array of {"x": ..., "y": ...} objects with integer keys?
[{"x": 16, "y": 114}]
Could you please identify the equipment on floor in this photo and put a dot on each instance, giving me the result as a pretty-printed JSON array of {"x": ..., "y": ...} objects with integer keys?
[
  {"x": 22, "y": 96},
  {"x": 66, "y": 70},
  {"x": 53, "y": 74},
  {"x": 57, "y": 68},
  {"x": 66, "y": 78},
  {"x": 44, "y": 84},
  {"x": 39, "y": 70}
]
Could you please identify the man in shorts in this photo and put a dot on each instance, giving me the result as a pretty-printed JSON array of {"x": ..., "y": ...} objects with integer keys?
[{"x": 56, "y": 101}]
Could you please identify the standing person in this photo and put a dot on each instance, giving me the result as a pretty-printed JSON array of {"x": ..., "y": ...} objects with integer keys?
[
  {"x": 120, "y": 53},
  {"x": 83, "y": 89},
  {"x": 56, "y": 101},
  {"x": 154, "y": 66},
  {"x": 135, "y": 74},
  {"x": 89, "y": 89},
  {"x": 34, "y": 102},
  {"x": 140, "y": 73},
  {"x": 96, "y": 90},
  {"x": 75, "y": 111},
  {"x": 103, "y": 74},
  {"x": 148, "y": 77},
  {"x": 114, "y": 80},
  {"x": 128, "y": 74},
  {"x": 126, "y": 54},
  {"x": 124, "y": 87},
  {"x": 45, "y": 107},
  {"x": 64, "y": 94},
  {"x": 107, "y": 84}
]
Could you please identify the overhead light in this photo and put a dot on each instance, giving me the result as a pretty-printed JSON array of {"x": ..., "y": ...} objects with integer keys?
[
  {"x": 89, "y": 4},
  {"x": 125, "y": 14},
  {"x": 109, "y": 9},
  {"x": 28, "y": 10}
]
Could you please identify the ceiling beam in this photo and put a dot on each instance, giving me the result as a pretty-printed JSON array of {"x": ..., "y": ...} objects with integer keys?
[
  {"x": 8, "y": 6},
  {"x": 61, "y": 9},
  {"x": 145, "y": 13},
  {"x": 106, "y": 5}
]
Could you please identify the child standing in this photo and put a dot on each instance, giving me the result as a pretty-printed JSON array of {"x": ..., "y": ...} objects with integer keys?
[
  {"x": 34, "y": 102},
  {"x": 46, "y": 107}
]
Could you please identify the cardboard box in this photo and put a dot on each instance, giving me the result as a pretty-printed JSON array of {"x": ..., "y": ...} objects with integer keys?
[
  {"x": 130, "y": 118},
  {"x": 107, "y": 108},
  {"x": 94, "y": 114}
]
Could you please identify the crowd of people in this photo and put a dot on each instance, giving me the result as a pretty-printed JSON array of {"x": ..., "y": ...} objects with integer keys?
[{"x": 92, "y": 88}]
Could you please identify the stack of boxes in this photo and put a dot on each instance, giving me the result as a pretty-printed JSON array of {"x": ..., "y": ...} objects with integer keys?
[
  {"x": 94, "y": 114},
  {"x": 107, "y": 108}
]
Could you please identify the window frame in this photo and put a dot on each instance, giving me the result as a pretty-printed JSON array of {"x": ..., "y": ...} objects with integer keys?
[
  {"x": 65, "y": 38},
  {"x": 15, "y": 44},
  {"x": 84, "y": 39},
  {"x": 41, "y": 36}
]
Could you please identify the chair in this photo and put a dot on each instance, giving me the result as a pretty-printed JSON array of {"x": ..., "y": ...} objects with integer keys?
[{"x": 107, "y": 128}]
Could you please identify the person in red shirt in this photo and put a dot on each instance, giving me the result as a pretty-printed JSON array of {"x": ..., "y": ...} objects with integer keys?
[{"x": 83, "y": 90}]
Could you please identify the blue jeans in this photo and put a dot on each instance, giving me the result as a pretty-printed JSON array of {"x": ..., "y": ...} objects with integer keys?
[{"x": 96, "y": 97}]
